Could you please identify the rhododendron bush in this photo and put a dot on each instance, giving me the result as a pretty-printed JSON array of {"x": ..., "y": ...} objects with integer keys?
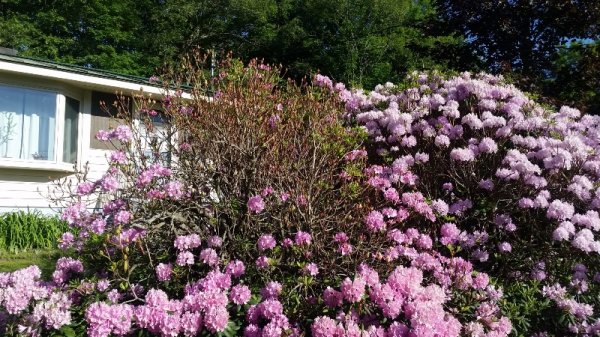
[{"x": 439, "y": 207}]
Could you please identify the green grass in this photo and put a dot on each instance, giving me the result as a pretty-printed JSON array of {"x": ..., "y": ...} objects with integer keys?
[
  {"x": 21, "y": 231},
  {"x": 29, "y": 238},
  {"x": 45, "y": 259}
]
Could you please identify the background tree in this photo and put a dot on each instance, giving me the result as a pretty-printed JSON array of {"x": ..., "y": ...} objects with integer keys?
[
  {"x": 110, "y": 35},
  {"x": 361, "y": 42},
  {"x": 530, "y": 40},
  {"x": 520, "y": 35},
  {"x": 575, "y": 77}
]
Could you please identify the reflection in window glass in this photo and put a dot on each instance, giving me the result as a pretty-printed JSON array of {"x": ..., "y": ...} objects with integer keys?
[
  {"x": 156, "y": 143},
  {"x": 70, "y": 130},
  {"x": 27, "y": 124},
  {"x": 104, "y": 120}
]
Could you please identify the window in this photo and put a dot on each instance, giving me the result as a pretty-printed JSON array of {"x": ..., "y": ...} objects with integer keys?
[
  {"x": 37, "y": 125},
  {"x": 101, "y": 119},
  {"x": 157, "y": 140},
  {"x": 27, "y": 123},
  {"x": 70, "y": 130}
]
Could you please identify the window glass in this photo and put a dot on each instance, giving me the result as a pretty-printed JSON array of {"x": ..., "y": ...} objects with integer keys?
[
  {"x": 102, "y": 119},
  {"x": 71, "y": 130},
  {"x": 157, "y": 139},
  {"x": 27, "y": 124}
]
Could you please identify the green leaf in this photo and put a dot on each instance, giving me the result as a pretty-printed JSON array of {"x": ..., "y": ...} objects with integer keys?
[
  {"x": 67, "y": 331},
  {"x": 230, "y": 330}
]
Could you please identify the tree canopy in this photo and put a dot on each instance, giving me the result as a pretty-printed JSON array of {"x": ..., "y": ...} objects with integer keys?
[
  {"x": 358, "y": 41},
  {"x": 110, "y": 35},
  {"x": 520, "y": 34},
  {"x": 540, "y": 43},
  {"x": 361, "y": 42}
]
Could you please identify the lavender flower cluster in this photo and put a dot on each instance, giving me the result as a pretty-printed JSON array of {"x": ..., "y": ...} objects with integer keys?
[{"x": 479, "y": 165}]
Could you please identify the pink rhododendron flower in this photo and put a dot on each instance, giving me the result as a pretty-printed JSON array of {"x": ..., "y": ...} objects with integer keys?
[
  {"x": 262, "y": 262},
  {"x": 256, "y": 204},
  {"x": 311, "y": 269},
  {"x": 266, "y": 242},
  {"x": 235, "y": 268},
  {"x": 302, "y": 238},
  {"x": 375, "y": 222},
  {"x": 240, "y": 294},
  {"x": 164, "y": 272},
  {"x": 185, "y": 258},
  {"x": 187, "y": 242},
  {"x": 271, "y": 290}
]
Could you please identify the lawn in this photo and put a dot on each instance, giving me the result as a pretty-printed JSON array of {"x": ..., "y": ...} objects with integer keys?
[{"x": 45, "y": 259}]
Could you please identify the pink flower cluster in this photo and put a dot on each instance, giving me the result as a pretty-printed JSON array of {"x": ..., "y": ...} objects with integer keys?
[
  {"x": 412, "y": 308},
  {"x": 504, "y": 114},
  {"x": 155, "y": 170},
  {"x": 36, "y": 303},
  {"x": 256, "y": 204},
  {"x": 164, "y": 271},
  {"x": 65, "y": 268},
  {"x": 187, "y": 242},
  {"x": 104, "y": 319},
  {"x": 266, "y": 319},
  {"x": 205, "y": 304},
  {"x": 18, "y": 288},
  {"x": 266, "y": 242},
  {"x": 121, "y": 133}
]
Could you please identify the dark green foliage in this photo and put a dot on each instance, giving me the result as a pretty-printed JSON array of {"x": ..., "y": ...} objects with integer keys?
[
  {"x": 520, "y": 35},
  {"x": 359, "y": 42},
  {"x": 576, "y": 76},
  {"x": 543, "y": 45},
  {"x": 111, "y": 35},
  {"x": 527, "y": 308},
  {"x": 530, "y": 311}
]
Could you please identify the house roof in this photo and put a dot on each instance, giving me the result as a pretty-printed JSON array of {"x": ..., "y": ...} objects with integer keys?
[
  {"x": 76, "y": 69},
  {"x": 76, "y": 75}
]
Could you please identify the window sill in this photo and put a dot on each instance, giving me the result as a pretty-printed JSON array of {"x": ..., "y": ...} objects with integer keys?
[{"x": 38, "y": 165}]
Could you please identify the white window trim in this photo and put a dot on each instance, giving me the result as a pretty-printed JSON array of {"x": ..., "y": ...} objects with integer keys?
[{"x": 40, "y": 165}]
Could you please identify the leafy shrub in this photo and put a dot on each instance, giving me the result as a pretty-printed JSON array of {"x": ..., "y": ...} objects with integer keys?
[
  {"x": 21, "y": 231},
  {"x": 501, "y": 181},
  {"x": 444, "y": 207}
]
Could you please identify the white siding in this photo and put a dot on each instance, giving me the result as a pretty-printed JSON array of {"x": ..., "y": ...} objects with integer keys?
[
  {"x": 23, "y": 189},
  {"x": 97, "y": 162}
]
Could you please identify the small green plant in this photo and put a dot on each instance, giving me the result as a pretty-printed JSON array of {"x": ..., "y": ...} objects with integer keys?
[{"x": 20, "y": 231}]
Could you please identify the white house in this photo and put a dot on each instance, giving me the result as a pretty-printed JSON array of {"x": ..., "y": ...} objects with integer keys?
[{"x": 49, "y": 116}]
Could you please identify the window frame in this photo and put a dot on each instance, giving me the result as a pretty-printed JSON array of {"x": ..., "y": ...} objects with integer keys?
[{"x": 56, "y": 164}]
